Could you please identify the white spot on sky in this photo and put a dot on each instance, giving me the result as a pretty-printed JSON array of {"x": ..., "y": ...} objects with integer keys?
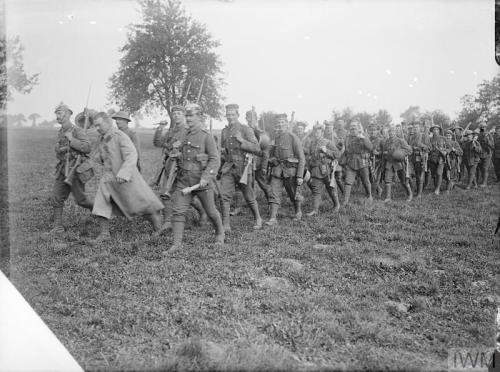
[
  {"x": 374, "y": 97},
  {"x": 410, "y": 85},
  {"x": 300, "y": 96},
  {"x": 388, "y": 72},
  {"x": 475, "y": 73},
  {"x": 307, "y": 38},
  {"x": 120, "y": 29},
  {"x": 61, "y": 22},
  {"x": 92, "y": 22},
  {"x": 70, "y": 17},
  {"x": 452, "y": 72},
  {"x": 360, "y": 92},
  {"x": 415, "y": 79},
  {"x": 368, "y": 94}
]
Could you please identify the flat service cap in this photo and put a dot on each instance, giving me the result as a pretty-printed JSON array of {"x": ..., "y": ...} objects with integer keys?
[
  {"x": 63, "y": 107},
  {"x": 178, "y": 108}
]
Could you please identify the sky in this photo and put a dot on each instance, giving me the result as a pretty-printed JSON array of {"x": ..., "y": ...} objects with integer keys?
[{"x": 283, "y": 55}]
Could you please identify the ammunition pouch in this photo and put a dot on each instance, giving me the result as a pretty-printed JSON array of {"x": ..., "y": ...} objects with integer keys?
[{"x": 85, "y": 171}]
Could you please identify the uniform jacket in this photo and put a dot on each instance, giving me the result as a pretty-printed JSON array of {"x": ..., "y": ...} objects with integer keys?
[
  {"x": 286, "y": 156},
  {"x": 118, "y": 155},
  {"x": 471, "y": 152},
  {"x": 439, "y": 147},
  {"x": 79, "y": 145},
  {"x": 199, "y": 158},
  {"x": 234, "y": 152},
  {"x": 496, "y": 146},
  {"x": 167, "y": 140},
  {"x": 388, "y": 146},
  {"x": 319, "y": 162},
  {"x": 357, "y": 152},
  {"x": 487, "y": 143},
  {"x": 135, "y": 140}
]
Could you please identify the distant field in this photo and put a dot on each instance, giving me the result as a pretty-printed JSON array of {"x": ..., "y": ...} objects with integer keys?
[{"x": 381, "y": 286}]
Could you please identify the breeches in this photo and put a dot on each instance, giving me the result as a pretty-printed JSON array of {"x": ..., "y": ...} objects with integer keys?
[
  {"x": 351, "y": 174},
  {"x": 436, "y": 168},
  {"x": 316, "y": 184},
  {"x": 61, "y": 191},
  {"x": 230, "y": 181},
  {"x": 277, "y": 183},
  {"x": 181, "y": 204}
]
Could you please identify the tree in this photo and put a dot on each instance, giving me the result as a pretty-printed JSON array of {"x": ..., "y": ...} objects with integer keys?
[
  {"x": 412, "y": 113},
  {"x": 17, "y": 120},
  {"x": 166, "y": 60},
  {"x": 34, "y": 117},
  {"x": 137, "y": 117},
  {"x": 470, "y": 112},
  {"x": 364, "y": 118},
  {"x": 383, "y": 118},
  {"x": 267, "y": 121},
  {"x": 438, "y": 117},
  {"x": 12, "y": 74}
]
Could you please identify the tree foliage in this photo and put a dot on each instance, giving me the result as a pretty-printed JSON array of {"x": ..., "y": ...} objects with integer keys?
[
  {"x": 383, "y": 118},
  {"x": 412, "y": 113},
  {"x": 166, "y": 59},
  {"x": 12, "y": 74},
  {"x": 34, "y": 117}
]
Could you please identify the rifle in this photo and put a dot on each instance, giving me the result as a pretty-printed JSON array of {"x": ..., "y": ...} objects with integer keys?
[
  {"x": 407, "y": 165},
  {"x": 69, "y": 173},
  {"x": 187, "y": 92},
  {"x": 333, "y": 182},
  {"x": 244, "y": 176},
  {"x": 201, "y": 89},
  {"x": 189, "y": 190}
]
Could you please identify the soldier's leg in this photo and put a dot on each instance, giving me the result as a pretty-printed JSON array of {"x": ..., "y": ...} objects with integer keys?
[
  {"x": 406, "y": 184},
  {"x": 333, "y": 193},
  {"x": 237, "y": 202},
  {"x": 350, "y": 177},
  {"x": 485, "y": 166},
  {"x": 420, "y": 177},
  {"x": 60, "y": 193},
  {"x": 167, "y": 214},
  {"x": 103, "y": 209},
  {"x": 262, "y": 182},
  {"x": 496, "y": 164},
  {"x": 208, "y": 201},
  {"x": 365, "y": 178},
  {"x": 339, "y": 179},
  {"x": 249, "y": 196},
  {"x": 388, "y": 177},
  {"x": 439, "y": 178},
  {"x": 181, "y": 205},
  {"x": 315, "y": 185},
  {"x": 274, "y": 199},
  {"x": 227, "y": 182},
  {"x": 78, "y": 190},
  {"x": 294, "y": 195},
  {"x": 196, "y": 204}
]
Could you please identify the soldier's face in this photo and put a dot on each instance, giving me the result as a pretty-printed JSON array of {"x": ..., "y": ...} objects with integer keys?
[
  {"x": 232, "y": 116},
  {"x": 121, "y": 123},
  {"x": 102, "y": 125},
  {"x": 281, "y": 125},
  {"x": 192, "y": 119},
  {"x": 299, "y": 130},
  {"x": 177, "y": 116},
  {"x": 328, "y": 131},
  {"x": 448, "y": 136},
  {"x": 435, "y": 131},
  {"x": 412, "y": 130},
  {"x": 392, "y": 133},
  {"x": 62, "y": 116},
  {"x": 318, "y": 134},
  {"x": 354, "y": 129},
  {"x": 341, "y": 123}
]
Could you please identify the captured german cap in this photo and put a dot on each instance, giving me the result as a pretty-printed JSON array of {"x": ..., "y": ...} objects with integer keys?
[
  {"x": 301, "y": 124},
  {"x": 121, "y": 115},
  {"x": 193, "y": 109},
  {"x": 281, "y": 116},
  {"x": 62, "y": 107},
  {"x": 435, "y": 126},
  {"x": 232, "y": 106},
  {"x": 177, "y": 108}
]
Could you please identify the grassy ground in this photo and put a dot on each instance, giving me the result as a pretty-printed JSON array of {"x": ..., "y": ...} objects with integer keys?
[{"x": 373, "y": 287}]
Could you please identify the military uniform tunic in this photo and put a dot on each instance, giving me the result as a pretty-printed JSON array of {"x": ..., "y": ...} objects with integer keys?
[
  {"x": 419, "y": 156},
  {"x": 135, "y": 140},
  {"x": 357, "y": 157},
  {"x": 439, "y": 147},
  {"x": 471, "y": 153},
  {"x": 79, "y": 145},
  {"x": 394, "y": 166}
]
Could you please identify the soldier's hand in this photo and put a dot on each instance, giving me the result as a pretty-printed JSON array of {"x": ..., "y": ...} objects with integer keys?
[
  {"x": 203, "y": 182},
  {"x": 176, "y": 144},
  {"x": 238, "y": 137},
  {"x": 263, "y": 171},
  {"x": 62, "y": 149},
  {"x": 120, "y": 180},
  {"x": 174, "y": 154},
  {"x": 299, "y": 181},
  {"x": 323, "y": 148},
  {"x": 69, "y": 136}
]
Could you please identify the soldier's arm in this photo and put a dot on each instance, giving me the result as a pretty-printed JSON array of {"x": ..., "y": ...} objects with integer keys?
[
  {"x": 129, "y": 156},
  {"x": 249, "y": 143},
  {"x": 298, "y": 151},
  {"x": 368, "y": 144},
  {"x": 80, "y": 141},
  {"x": 213, "y": 162},
  {"x": 407, "y": 149},
  {"x": 135, "y": 140},
  {"x": 332, "y": 150}
]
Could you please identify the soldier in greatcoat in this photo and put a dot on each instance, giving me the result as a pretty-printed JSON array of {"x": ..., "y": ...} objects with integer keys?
[
  {"x": 122, "y": 189},
  {"x": 72, "y": 143},
  {"x": 320, "y": 154},
  {"x": 287, "y": 161},
  {"x": 122, "y": 119},
  {"x": 238, "y": 147},
  {"x": 198, "y": 161}
]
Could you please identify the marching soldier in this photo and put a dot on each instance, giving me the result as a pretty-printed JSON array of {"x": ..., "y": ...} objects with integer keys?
[
  {"x": 376, "y": 161},
  {"x": 452, "y": 168},
  {"x": 198, "y": 161},
  {"x": 329, "y": 134},
  {"x": 395, "y": 151},
  {"x": 122, "y": 189},
  {"x": 419, "y": 156},
  {"x": 496, "y": 152},
  {"x": 357, "y": 153},
  {"x": 471, "y": 153},
  {"x": 439, "y": 149},
  {"x": 239, "y": 145},
  {"x": 169, "y": 140},
  {"x": 263, "y": 139},
  {"x": 287, "y": 162},
  {"x": 340, "y": 130},
  {"x": 122, "y": 118},
  {"x": 458, "y": 138},
  {"x": 299, "y": 129},
  {"x": 486, "y": 141},
  {"x": 70, "y": 177},
  {"x": 319, "y": 154}
]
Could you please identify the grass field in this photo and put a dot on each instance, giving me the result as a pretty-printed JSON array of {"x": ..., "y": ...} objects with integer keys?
[{"x": 381, "y": 286}]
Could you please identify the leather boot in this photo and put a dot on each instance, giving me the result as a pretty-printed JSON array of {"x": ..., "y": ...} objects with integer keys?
[
  {"x": 388, "y": 191},
  {"x": 225, "y": 216},
  {"x": 156, "y": 222},
  {"x": 449, "y": 187},
  {"x": 298, "y": 210},
  {"x": 427, "y": 179},
  {"x": 409, "y": 192},
  {"x": 340, "y": 184},
  {"x": 439, "y": 180},
  {"x": 334, "y": 195},
  {"x": 419, "y": 189},
  {"x": 274, "y": 213},
  {"x": 256, "y": 214},
  {"x": 104, "y": 234},
  {"x": 219, "y": 228},
  {"x": 347, "y": 194},
  {"x": 316, "y": 203},
  {"x": 57, "y": 217},
  {"x": 368, "y": 190},
  {"x": 177, "y": 232}
]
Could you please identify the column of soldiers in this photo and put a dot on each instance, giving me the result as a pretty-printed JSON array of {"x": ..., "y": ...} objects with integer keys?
[{"x": 195, "y": 171}]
